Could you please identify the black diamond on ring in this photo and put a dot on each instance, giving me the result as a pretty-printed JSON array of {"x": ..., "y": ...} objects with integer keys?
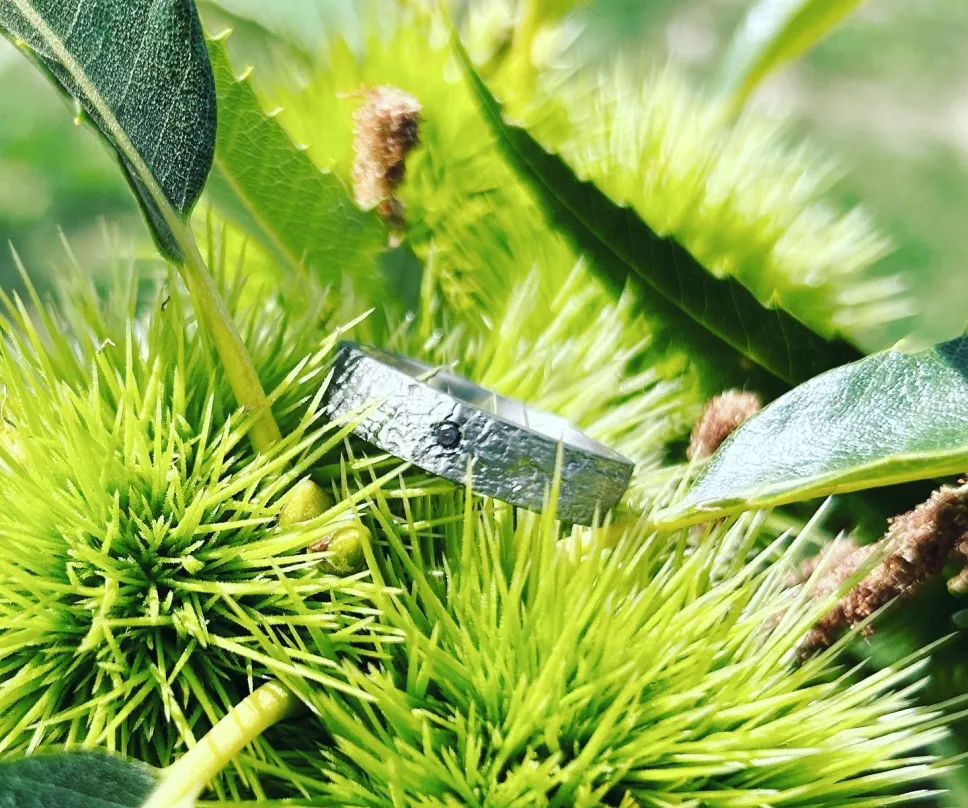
[
  {"x": 443, "y": 423},
  {"x": 448, "y": 435}
]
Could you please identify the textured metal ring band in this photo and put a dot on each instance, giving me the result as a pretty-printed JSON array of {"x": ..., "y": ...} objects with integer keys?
[{"x": 441, "y": 422}]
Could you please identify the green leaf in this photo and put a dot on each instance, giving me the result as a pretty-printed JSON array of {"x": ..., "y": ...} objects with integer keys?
[
  {"x": 75, "y": 780},
  {"x": 139, "y": 70},
  {"x": 304, "y": 217},
  {"x": 891, "y": 418},
  {"x": 773, "y": 33},
  {"x": 717, "y": 319}
]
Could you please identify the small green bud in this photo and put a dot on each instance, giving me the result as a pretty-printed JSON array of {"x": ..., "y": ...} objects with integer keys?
[
  {"x": 305, "y": 501},
  {"x": 345, "y": 547}
]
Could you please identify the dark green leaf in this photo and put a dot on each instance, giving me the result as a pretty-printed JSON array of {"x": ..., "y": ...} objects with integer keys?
[
  {"x": 718, "y": 320},
  {"x": 75, "y": 780},
  {"x": 139, "y": 70},
  {"x": 890, "y": 418},
  {"x": 773, "y": 33},
  {"x": 272, "y": 189}
]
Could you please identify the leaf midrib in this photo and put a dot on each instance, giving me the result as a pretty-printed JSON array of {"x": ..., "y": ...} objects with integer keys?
[
  {"x": 688, "y": 512},
  {"x": 730, "y": 284}
]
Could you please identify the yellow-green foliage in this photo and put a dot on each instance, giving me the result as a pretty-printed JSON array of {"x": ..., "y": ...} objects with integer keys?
[
  {"x": 740, "y": 196},
  {"x": 148, "y": 582}
]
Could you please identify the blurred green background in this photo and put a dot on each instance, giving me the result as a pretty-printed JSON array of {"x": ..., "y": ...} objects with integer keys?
[{"x": 886, "y": 96}]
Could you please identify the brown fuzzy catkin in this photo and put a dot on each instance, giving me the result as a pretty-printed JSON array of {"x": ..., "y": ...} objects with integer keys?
[
  {"x": 720, "y": 417},
  {"x": 918, "y": 544},
  {"x": 386, "y": 127}
]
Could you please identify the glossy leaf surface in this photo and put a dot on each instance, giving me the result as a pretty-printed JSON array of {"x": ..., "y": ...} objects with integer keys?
[{"x": 891, "y": 418}]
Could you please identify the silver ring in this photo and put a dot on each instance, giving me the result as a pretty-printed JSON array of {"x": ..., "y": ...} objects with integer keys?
[{"x": 443, "y": 423}]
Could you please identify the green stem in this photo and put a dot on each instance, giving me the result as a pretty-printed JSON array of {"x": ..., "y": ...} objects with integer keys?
[
  {"x": 236, "y": 361},
  {"x": 184, "y": 780}
]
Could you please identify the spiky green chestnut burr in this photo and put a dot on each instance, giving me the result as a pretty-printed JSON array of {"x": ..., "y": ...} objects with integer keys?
[
  {"x": 145, "y": 589},
  {"x": 735, "y": 193},
  {"x": 146, "y": 583},
  {"x": 640, "y": 675}
]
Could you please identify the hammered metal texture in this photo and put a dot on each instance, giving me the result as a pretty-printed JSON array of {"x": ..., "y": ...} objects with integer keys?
[{"x": 509, "y": 458}]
